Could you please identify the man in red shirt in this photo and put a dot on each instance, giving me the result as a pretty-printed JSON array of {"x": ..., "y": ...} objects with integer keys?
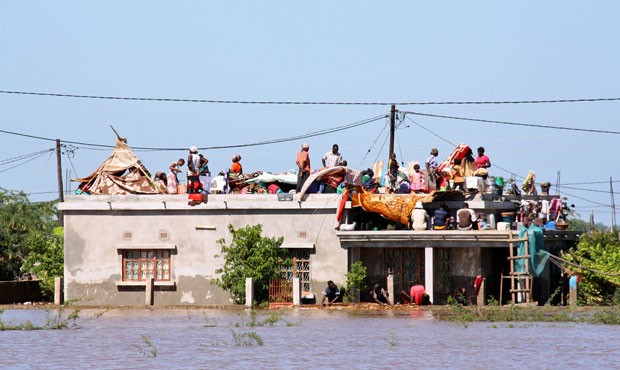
[
  {"x": 417, "y": 294},
  {"x": 303, "y": 163}
]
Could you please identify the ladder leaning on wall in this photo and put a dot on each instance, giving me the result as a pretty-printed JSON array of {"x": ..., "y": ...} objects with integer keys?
[{"x": 520, "y": 281}]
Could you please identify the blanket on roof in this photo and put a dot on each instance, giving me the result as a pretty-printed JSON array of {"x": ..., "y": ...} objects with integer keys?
[
  {"x": 398, "y": 207},
  {"x": 351, "y": 177}
]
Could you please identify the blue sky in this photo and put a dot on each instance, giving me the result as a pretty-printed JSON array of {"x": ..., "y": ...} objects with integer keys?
[{"x": 353, "y": 51}]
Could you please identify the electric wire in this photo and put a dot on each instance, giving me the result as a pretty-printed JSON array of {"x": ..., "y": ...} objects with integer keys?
[
  {"x": 387, "y": 136},
  {"x": 503, "y": 169},
  {"x": 266, "y": 142},
  {"x": 387, "y": 122},
  {"x": 431, "y": 132},
  {"x": 23, "y": 156},
  {"x": 24, "y": 162},
  {"x": 513, "y": 123},
  {"x": 275, "y": 102}
]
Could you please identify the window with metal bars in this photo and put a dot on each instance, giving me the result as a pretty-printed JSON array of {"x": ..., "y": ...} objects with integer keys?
[
  {"x": 143, "y": 264},
  {"x": 300, "y": 268}
]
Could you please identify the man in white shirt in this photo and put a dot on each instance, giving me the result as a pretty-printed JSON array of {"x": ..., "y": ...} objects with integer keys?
[
  {"x": 333, "y": 158},
  {"x": 465, "y": 217}
]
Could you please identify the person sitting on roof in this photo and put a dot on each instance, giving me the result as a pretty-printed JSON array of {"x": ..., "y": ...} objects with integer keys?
[
  {"x": 161, "y": 181},
  {"x": 465, "y": 218},
  {"x": 236, "y": 168},
  {"x": 419, "y": 217},
  {"x": 440, "y": 218}
]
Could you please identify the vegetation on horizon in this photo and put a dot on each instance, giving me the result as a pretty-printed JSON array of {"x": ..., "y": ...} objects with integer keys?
[
  {"x": 599, "y": 255},
  {"x": 31, "y": 244}
]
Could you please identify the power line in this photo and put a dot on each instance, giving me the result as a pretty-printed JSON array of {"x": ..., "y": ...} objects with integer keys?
[
  {"x": 275, "y": 102},
  {"x": 431, "y": 132},
  {"x": 23, "y": 156},
  {"x": 267, "y": 142},
  {"x": 514, "y": 123},
  {"x": 503, "y": 169},
  {"x": 589, "y": 183},
  {"x": 26, "y": 161}
]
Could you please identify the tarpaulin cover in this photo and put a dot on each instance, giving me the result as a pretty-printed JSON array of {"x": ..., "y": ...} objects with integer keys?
[
  {"x": 538, "y": 257},
  {"x": 267, "y": 178},
  {"x": 121, "y": 173}
]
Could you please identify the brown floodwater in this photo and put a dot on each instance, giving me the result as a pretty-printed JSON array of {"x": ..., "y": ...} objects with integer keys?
[{"x": 299, "y": 339}]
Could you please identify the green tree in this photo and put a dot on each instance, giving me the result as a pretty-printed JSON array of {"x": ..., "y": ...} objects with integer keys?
[
  {"x": 599, "y": 255},
  {"x": 249, "y": 255},
  {"x": 577, "y": 224},
  {"x": 21, "y": 220},
  {"x": 355, "y": 281},
  {"x": 45, "y": 259}
]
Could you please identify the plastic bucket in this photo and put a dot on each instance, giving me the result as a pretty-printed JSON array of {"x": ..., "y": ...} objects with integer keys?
[
  {"x": 503, "y": 226},
  {"x": 508, "y": 216}
]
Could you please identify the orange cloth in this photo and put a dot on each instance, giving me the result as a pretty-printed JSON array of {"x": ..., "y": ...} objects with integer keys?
[
  {"x": 236, "y": 168},
  {"x": 303, "y": 160}
]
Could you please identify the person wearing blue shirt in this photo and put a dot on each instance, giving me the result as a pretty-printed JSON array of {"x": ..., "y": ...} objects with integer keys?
[
  {"x": 440, "y": 218},
  {"x": 331, "y": 294}
]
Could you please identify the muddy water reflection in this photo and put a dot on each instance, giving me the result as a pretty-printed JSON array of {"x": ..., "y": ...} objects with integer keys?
[{"x": 305, "y": 338}]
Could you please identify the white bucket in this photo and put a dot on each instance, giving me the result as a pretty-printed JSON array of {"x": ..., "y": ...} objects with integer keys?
[{"x": 503, "y": 226}]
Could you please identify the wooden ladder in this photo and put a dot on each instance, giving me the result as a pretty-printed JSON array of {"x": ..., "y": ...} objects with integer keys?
[{"x": 520, "y": 281}]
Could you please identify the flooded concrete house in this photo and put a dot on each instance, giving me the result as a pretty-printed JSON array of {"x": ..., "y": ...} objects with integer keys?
[{"x": 115, "y": 242}]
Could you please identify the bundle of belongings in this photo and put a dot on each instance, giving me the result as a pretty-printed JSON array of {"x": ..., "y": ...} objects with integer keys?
[{"x": 267, "y": 183}]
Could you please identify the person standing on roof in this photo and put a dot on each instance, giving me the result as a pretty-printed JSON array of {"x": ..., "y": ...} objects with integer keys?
[
  {"x": 236, "y": 167},
  {"x": 173, "y": 180},
  {"x": 392, "y": 171},
  {"x": 431, "y": 166},
  {"x": 193, "y": 168},
  {"x": 482, "y": 161},
  {"x": 303, "y": 165},
  {"x": 333, "y": 158}
]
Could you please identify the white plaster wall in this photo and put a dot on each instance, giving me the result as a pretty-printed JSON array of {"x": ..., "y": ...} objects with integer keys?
[{"x": 95, "y": 225}]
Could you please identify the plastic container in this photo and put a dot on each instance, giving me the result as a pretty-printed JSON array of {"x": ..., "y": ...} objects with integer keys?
[
  {"x": 503, "y": 226},
  {"x": 491, "y": 221},
  {"x": 508, "y": 217}
]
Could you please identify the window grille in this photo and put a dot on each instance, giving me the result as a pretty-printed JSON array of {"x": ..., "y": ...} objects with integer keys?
[
  {"x": 143, "y": 264},
  {"x": 300, "y": 268}
]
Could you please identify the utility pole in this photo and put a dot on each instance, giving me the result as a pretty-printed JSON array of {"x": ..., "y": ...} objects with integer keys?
[
  {"x": 392, "y": 128},
  {"x": 61, "y": 197},
  {"x": 613, "y": 205}
]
